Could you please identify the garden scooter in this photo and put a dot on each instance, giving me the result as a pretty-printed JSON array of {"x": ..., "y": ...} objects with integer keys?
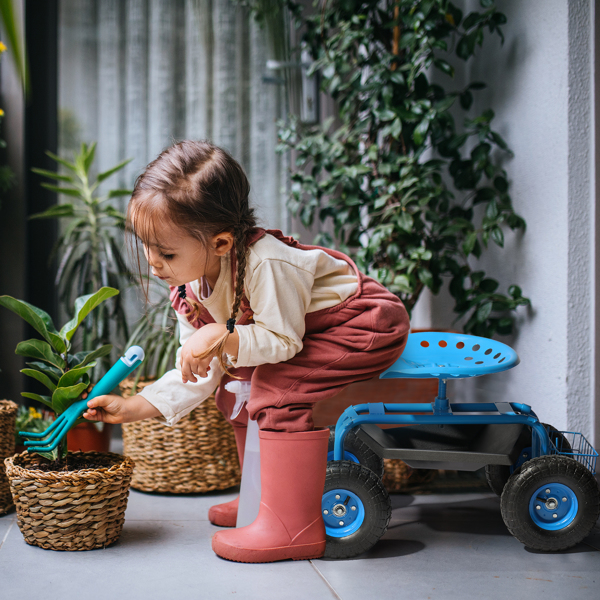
[{"x": 550, "y": 499}]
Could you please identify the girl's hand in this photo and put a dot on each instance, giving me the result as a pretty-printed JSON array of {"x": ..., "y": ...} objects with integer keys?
[
  {"x": 198, "y": 343},
  {"x": 111, "y": 408}
]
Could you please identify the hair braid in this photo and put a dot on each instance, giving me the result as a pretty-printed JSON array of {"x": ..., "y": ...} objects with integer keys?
[{"x": 218, "y": 348}]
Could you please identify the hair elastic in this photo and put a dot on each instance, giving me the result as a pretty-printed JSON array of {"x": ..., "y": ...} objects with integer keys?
[
  {"x": 181, "y": 291},
  {"x": 230, "y": 325}
]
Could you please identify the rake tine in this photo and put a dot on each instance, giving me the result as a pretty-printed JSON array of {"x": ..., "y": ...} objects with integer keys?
[
  {"x": 50, "y": 438},
  {"x": 43, "y": 434},
  {"x": 56, "y": 433},
  {"x": 55, "y": 439}
]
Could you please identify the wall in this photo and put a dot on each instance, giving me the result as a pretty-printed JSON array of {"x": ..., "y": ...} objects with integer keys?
[{"x": 540, "y": 87}]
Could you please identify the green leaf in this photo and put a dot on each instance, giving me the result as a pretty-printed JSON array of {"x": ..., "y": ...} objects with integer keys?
[
  {"x": 501, "y": 184},
  {"x": 55, "y": 212},
  {"x": 405, "y": 221},
  {"x": 499, "y": 140},
  {"x": 83, "y": 306},
  {"x": 106, "y": 174},
  {"x": 73, "y": 375},
  {"x": 41, "y": 377},
  {"x": 483, "y": 312},
  {"x": 402, "y": 283},
  {"x": 469, "y": 243},
  {"x": 466, "y": 99},
  {"x": 117, "y": 193},
  {"x": 491, "y": 210},
  {"x": 88, "y": 156},
  {"x": 488, "y": 285},
  {"x": 62, "y": 190},
  {"x": 53, "y": 175},
  {"x": 425, "y": 276},
  {"x": 61, "y": 161},
  {"x": 40, "y": 320},
  {"x": 420, "y": 131},
  {"x": 83, "y": 358},
  {"x": 444, "y": 66},
  {"x": 41, "y": 351},
  {"x": 498, "y": 236},
  {"x": 52, "y": 372},
  {"x": 43, "y": 399},
  {"x": 62, "y": 398}
]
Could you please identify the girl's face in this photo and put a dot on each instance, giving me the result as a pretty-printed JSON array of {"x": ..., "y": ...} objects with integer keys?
[{"x": 178, "y": 258}]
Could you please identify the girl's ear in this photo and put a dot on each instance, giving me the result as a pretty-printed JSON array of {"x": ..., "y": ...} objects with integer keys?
[{"x": 222, "y": 243}]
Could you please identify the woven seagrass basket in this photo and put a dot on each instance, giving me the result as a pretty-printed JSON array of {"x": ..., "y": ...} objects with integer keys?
[
  {"x": 71, "y": 510},
  {"x": 8, "y": 415},
  {"x": 398, "y": 477},
  {"x": 196, "y": 455}
]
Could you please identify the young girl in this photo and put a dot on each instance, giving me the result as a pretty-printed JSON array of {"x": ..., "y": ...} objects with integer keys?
[{"x": 301, "y": 322}]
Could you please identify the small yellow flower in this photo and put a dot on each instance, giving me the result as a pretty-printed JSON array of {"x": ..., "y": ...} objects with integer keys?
[
  {"x": 1, "y": 113},
  {"x": 2, "y": 47},
  {"x": 33, "y": 413}
]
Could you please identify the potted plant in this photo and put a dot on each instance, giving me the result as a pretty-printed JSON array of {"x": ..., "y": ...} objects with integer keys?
[
  {"x": 199, "y": 453},
  {"x": 409, "y": 188},
  {"x": 89, "y": 252},
  {"x": 65, "y": 501}
]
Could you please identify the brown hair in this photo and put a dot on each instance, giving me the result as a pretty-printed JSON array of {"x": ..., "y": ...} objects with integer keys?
[{"x": 203, "y": 190}]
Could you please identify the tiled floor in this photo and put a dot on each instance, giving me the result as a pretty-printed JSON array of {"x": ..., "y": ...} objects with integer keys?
[{"x": 438, "y": 546}]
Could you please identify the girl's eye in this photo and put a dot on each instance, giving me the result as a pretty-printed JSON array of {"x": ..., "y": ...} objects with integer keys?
[{"x": 167, "y": 256}]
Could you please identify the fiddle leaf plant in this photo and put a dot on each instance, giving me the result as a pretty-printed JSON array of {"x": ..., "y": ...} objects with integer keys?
[
  {"x": 65, "y": 375},
  {"x": 89, "y": 247},
  {"x": 410, "y": 179},
  {"x": 158, "y": 334}
]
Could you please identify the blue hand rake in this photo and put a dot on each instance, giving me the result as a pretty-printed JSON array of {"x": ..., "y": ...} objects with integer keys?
[{"x": 50, "y": 438}]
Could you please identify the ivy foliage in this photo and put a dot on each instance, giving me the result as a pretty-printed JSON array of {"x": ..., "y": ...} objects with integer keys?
[{"x": 414, "y": 194}]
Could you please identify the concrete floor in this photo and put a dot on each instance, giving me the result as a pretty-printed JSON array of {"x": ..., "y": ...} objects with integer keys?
[{"x": 438, "y": 546}]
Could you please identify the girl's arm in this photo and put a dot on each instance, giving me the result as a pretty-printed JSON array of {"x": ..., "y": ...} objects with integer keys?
[{"x": 111, "y": 408}]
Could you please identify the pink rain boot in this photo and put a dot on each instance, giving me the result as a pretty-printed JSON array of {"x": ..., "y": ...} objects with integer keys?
[
  {"x": 225, "y": 515},
  {"x": 289, "y": 522}
]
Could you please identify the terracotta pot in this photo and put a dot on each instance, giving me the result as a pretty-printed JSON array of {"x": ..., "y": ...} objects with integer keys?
[{"x": 86, "y": 438}]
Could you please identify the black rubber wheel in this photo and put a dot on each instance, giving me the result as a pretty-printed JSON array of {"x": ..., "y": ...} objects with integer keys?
[
  {"x": 551, "y": 503},
  {"x": 498, "y": 475},
  {"x": 355, "y": 450},
  {"x": 356, "y": 509}
]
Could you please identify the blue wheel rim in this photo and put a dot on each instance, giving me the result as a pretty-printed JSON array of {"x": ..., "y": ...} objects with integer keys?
[
  {"x": 553, "y": 506},
  {"x": 347, "y": 456},
  {"x": 343, "y": 513}
]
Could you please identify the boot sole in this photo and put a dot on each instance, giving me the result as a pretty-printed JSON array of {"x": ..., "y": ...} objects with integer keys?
[{"x": 266, "y": 555}]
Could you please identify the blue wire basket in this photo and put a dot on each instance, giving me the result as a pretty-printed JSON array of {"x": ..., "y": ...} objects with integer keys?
[{"x": 581, "y": 450}]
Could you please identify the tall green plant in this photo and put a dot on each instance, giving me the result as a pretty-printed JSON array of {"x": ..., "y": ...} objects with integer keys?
[
  {"x": 158, "y": 334},
  {"x": 412, "y": 193},
  {"x": 65, "y": 374},
  {"x": 90, "y": 245}
]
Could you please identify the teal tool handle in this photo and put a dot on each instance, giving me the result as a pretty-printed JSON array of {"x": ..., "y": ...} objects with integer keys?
[{"x": 121, "y": 369}]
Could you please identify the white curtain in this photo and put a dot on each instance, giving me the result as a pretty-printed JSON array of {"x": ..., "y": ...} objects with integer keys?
[{"x": 136, "y": 75}]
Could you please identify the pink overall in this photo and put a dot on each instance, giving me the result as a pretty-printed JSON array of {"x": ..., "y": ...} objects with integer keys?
[{"x": 353, "y": 341}]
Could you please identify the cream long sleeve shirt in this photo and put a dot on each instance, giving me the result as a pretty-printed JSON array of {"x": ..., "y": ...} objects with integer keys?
[{"x": 282, "y": 284}]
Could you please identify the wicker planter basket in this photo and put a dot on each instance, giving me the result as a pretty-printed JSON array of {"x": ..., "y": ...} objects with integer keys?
[
  {"x": 197, "y": 455},
  {"x": 398, "y": 477},
  {"x": 70, "y": 510},
  {"x": 8, "y": 415}
]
